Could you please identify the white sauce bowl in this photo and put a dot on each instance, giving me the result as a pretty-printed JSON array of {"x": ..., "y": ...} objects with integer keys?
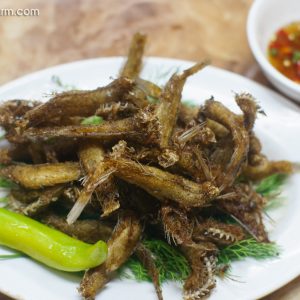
[{"x": 264, "y": 19}]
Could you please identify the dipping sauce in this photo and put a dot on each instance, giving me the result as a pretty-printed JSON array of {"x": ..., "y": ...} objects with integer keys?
[{"x": 284, "y": 51}]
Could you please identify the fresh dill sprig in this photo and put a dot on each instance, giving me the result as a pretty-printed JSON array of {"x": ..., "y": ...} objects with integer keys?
[
  {"x": 270, "y": 188},
  {"x": 247, "y": 248},
  {"x": 271, "y": 184},
  {"x": 93, "y": 120},
  {"x": 172, "y": 265},
  {"x": 274, "y": 203},
  {"x": 137, "y": 270},
  {"x": 6, "y": 184},
  {"x": 11, "y": 256}
]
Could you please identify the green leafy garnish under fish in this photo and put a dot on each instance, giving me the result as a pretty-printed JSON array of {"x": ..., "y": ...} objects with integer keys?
[
  {"x": 271, "y": 184},
  {"x": 6, "y": 184},
  {"x": 172, "y": 265},
  {"x": 247, "y": 248}
]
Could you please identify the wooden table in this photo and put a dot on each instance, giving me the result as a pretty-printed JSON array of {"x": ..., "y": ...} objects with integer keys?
[{"x": 68, "y": 30}]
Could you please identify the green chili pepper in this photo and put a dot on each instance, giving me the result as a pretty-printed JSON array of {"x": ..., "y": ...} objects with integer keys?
[{"x": 47, "y": 245}]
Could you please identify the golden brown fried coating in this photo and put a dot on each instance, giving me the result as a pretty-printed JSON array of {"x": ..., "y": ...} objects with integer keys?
[
  {"x": 5, "y": 156},
  {"x": 143, "y": 93},
  {"x": 259, "y": 166},
  {"x": 164, "y": 185},
  {"x": 217, "y": 232},
  {"x": 169, "y": 105},
  {"x": 188, "y": 166},
  {"x": 255, "y": 146},
  {"x": 39, "y": 176},
  {"x": 36, "y": 152},
  {"x": 246, "y": 207},
  {"x": 134, "y": 61},
  {"x": 108, "y": 196},
  {"x": 89, "y": 231},
  {"x": 92, "y": 156},
  {"x": 16, "y": 153},
  {"x": 219, "y": 113},
  {"x": 218, "y": 129},
  {"x": 12, "y": 110},
  {"x": 202, "y": 260},
  {"x": 146, "y": 258},
  {"x": 26, "y": 196},
  {"x": 177, "y": 226},
  {"x": 115, "y": 110},
  {"x": 248, "y": 106},
  {"x": 107, "y": 131},
  {"x": 149, "y": 88},
  {"x": 187, "y": 114},
  {"x": 77, "y": 103},
  {"x": 121, "y": 245},
  {"x": 47, "y": 197},
  {"x": 97, "y": 172},
  {"x": 198, "y": 134},
  {"x": 203, "y": 163},
  {"x": 142, "y": 127},
  {"x": 50, "y": 154},
  {"x": 266, "y": 168}
]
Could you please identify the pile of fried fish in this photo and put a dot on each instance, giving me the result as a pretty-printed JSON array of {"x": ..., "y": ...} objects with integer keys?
[{"x": 145, "y": 165}]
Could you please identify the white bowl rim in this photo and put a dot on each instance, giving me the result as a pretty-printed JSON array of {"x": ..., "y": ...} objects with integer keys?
[{"x": 258, "y": 53}]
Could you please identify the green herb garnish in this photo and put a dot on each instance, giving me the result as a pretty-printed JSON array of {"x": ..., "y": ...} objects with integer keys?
[
  {"x": 271, "y": 184},
  {"x": 6, "y": 184},
  {"x": 133, "y": 269},
  {"x": 247, "y": 248},
  {"x": 172, "y": 265},
  {"x": 93, "y": 120}
]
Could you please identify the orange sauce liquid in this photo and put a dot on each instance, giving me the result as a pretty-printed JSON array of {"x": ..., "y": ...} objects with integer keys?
[{"x": 284, "y": 51}]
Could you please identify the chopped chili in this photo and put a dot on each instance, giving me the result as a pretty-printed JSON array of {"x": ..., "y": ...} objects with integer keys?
[{"x": 284, "y": 51}]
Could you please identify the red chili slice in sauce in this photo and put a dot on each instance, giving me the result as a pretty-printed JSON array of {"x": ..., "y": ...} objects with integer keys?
[{"x": 284, "y": 51}]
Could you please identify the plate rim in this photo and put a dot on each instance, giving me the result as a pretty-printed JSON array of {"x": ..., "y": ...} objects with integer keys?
[
  {"x": 148, "y": 59},
  {"x": 33, "y": 75}
]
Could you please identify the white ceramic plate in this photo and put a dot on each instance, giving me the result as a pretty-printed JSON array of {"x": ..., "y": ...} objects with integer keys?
[{"x": 23, "y": 278}]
